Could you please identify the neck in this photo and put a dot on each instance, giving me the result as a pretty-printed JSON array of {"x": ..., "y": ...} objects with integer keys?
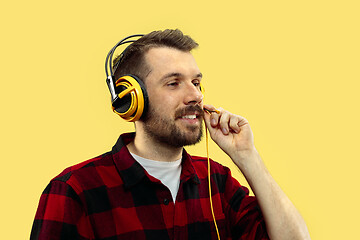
[{"x": 147, "y": 147}]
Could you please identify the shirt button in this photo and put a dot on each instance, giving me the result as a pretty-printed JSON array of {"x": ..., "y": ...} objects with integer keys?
[{"x": 166, "y": 201}]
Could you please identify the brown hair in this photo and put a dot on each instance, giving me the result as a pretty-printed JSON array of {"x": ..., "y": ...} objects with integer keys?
[{"x": 133, "y": 60}]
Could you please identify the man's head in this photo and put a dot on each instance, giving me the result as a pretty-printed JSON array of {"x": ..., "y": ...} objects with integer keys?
[{"x": 172, "y": 78}]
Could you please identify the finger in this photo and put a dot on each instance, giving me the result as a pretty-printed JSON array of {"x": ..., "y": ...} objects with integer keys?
[
  {"x": 207, "y": 120},
  {"x": 209, "y": 107},
  {"x": 214, "y": 114},
  {"x": 242, "y": 122},
  {"x": 224, "y": 122},
  {"x": 234, "y": 123},
  {"x": 214, "y": 119}
]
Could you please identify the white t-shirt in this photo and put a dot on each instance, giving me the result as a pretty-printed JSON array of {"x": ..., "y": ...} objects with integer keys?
[{"x": 167, "y": 172}]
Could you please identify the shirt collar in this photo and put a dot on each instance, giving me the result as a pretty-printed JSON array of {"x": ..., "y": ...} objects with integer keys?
[{"x": 132, "y": 172}]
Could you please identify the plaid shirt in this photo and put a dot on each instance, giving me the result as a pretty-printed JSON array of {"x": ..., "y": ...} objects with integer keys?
[{"x": 113, "y": 197}]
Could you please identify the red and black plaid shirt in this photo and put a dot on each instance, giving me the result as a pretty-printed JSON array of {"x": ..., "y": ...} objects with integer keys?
[{"x": 113, "y": 197}]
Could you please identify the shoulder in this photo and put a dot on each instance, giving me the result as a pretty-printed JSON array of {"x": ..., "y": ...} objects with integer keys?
[{"x": 85, "y": 172}]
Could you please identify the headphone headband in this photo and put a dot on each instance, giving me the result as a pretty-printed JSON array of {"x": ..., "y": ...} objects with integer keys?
[
  {"x": 109, "y": 57},
  {"x": 109, "y": 66}
]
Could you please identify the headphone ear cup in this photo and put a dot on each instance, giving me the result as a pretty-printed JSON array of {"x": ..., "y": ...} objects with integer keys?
[
  {"x": 133, "y": 100},
  {"x": 123, "y": 104}
]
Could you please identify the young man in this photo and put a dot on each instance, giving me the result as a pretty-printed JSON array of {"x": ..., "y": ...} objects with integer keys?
[{"x": 149, "y": 187}]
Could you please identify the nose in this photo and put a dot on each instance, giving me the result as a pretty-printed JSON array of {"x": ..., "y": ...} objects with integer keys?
[{"x": 193, "y": 95}]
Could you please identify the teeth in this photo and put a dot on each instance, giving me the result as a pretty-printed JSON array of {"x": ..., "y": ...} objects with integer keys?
[{"x": 189, "y": 116}]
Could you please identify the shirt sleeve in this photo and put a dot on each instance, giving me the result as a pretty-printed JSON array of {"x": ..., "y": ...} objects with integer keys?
[
  {"x": 60, "y": 215},
  {"x": 245, "y": 217}
]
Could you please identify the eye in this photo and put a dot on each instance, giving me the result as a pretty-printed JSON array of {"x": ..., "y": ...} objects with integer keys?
[
  {"x": 173, "y": 84},
  {"x": 196, "y": 83}
]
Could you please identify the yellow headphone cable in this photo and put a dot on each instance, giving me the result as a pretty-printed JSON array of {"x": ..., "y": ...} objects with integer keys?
[{"x": 209, "y": 179}]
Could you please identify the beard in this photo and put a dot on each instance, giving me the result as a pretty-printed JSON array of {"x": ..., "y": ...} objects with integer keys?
[{"x": 164, "y": 130}]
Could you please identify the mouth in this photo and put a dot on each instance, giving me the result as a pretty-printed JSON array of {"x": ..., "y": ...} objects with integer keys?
[
  {"x": 190, "y": 116},
  {"x": 190, "y": 120}
]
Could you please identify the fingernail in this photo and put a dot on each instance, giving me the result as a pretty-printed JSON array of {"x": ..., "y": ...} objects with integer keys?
[
  {"x": 213, "y": 122},
  {"x": 224, "y": 130}
]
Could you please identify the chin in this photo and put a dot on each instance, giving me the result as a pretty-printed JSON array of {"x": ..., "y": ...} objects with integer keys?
[{"x": 194, "y": 138}]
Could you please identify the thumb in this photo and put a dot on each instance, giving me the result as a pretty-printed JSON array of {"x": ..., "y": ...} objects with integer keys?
[{"x": 207, "y": 120}]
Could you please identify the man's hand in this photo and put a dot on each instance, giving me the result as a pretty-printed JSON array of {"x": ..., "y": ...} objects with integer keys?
[{"x": 232, "y": 133}]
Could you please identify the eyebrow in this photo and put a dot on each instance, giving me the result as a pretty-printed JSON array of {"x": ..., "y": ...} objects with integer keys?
[{"x": 176, "y": 74}]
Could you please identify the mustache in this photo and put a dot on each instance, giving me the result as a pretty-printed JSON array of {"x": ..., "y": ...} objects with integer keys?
[{"x": 190, "y": 110}]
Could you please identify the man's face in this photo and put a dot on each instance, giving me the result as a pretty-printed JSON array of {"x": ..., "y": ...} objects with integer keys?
[{"x": 175, "y": 110}]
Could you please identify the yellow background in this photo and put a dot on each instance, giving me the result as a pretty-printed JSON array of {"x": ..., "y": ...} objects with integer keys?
[{"x": 290, "y": 67}]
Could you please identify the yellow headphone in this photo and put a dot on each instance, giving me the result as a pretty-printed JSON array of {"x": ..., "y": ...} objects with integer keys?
[
  {"x": 133, "y": 98},
  {"x": 129, "y": 98}
]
